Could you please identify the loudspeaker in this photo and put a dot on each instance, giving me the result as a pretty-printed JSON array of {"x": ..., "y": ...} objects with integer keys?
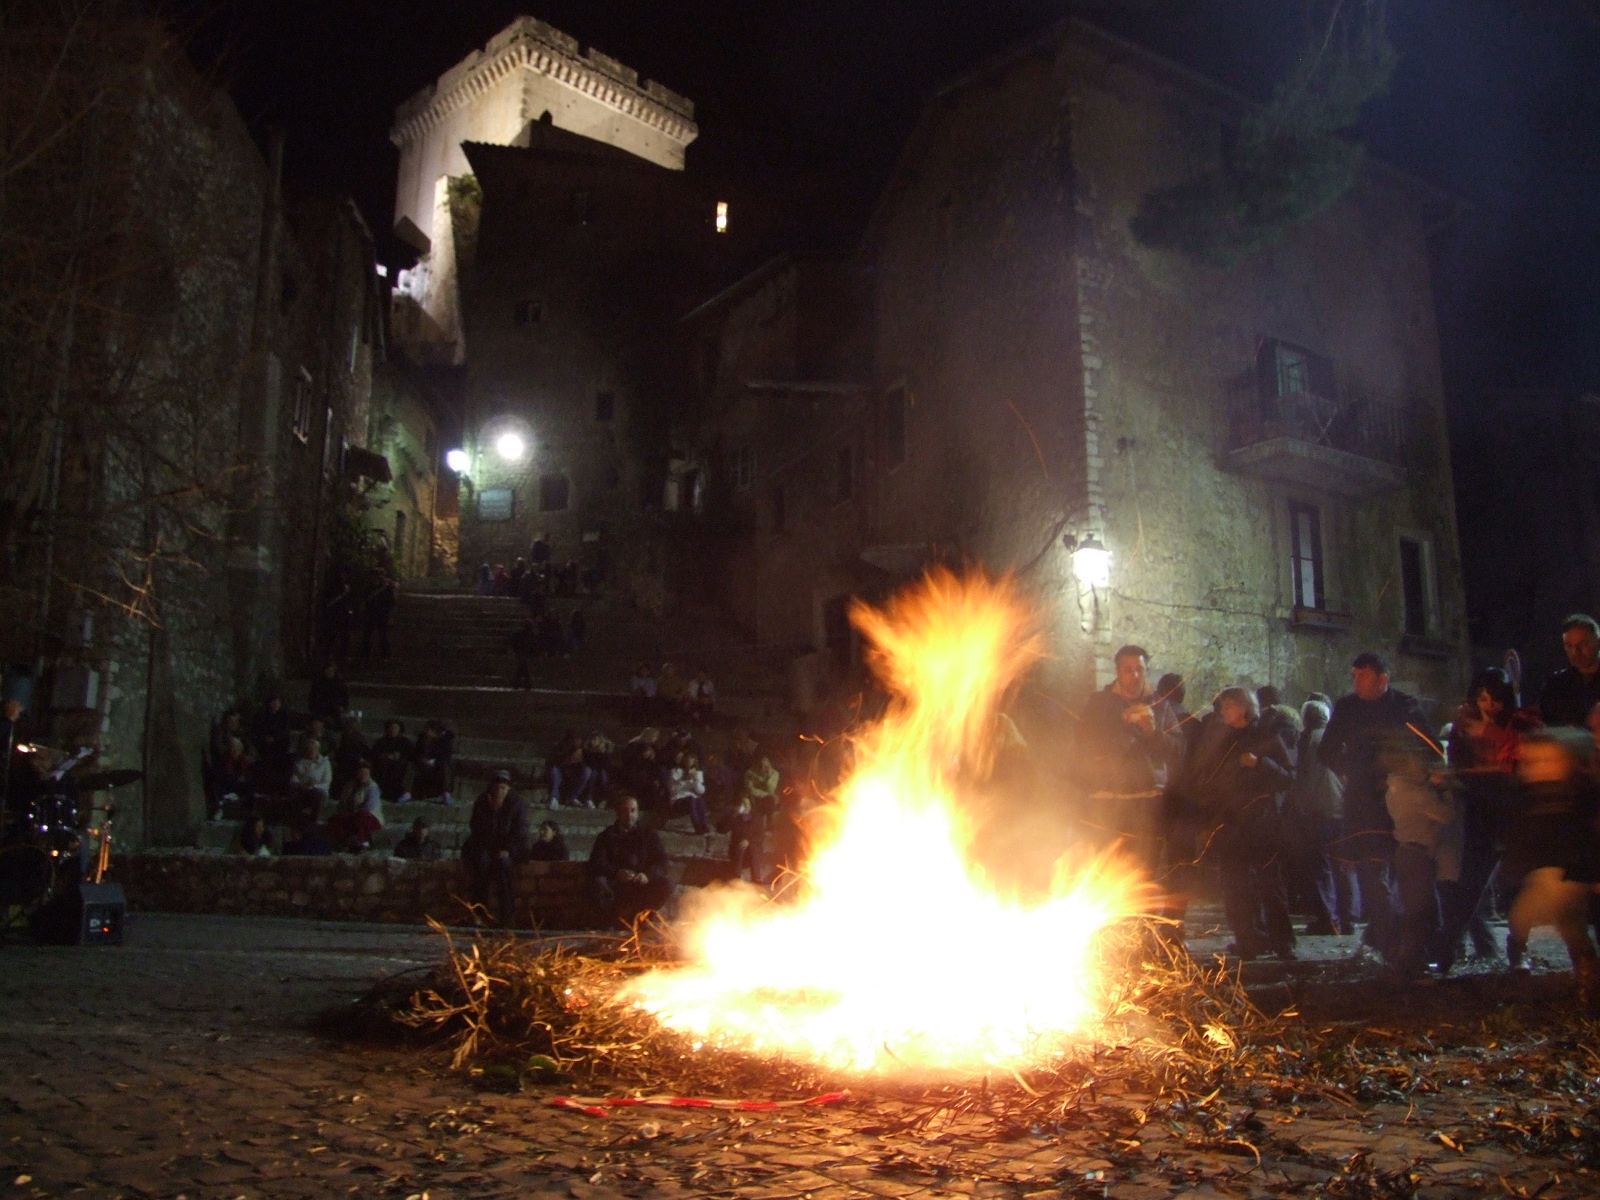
[{"x": 91, "y": 914}]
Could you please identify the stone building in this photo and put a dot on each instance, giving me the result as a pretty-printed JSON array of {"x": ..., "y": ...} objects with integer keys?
[
  {"x": 1262, "y": 450},
  {"x": 564, "y": 242},
  {"x": 210, "y": 385}
]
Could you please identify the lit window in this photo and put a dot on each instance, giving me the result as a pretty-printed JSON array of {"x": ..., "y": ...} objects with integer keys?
[{"x": 722, "y": 216}]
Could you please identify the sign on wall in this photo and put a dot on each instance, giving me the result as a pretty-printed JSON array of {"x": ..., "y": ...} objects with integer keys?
[{"x": 496, "y": 504}]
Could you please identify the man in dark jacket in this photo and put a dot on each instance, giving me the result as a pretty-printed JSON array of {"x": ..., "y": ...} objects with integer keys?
[
  {"x": 498, "y": 841},
  {"x": 1130, "y": 738},
  {"x": 628, "y": 868},
  {"x": 1350, "y": 749},
  {"x": 1240, "y": 768},
  {"x": 1572, "y": 692}
]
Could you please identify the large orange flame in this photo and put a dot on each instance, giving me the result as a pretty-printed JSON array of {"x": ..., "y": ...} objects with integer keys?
[{"x": 901, "y": 955}]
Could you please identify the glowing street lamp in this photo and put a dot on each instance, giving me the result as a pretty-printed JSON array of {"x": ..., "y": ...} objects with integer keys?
[
  {"x": 457, "y": 461},
  {"x": 510, "y": 446},
  {"x": 1091, "y": 561}
]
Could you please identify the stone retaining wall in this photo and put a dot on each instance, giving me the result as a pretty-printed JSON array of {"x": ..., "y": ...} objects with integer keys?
[{"x": 340, "y": 887}]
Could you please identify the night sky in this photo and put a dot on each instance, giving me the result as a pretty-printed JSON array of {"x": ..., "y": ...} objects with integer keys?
[{"x": 1494, "y": 100}]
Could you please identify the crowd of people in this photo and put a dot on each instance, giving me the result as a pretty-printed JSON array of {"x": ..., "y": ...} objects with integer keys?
[{"x": 1361, "y": 813}]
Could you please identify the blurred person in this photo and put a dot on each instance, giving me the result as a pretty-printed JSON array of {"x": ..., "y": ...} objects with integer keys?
[
  {"x": 234, "y": 777},
  {"x": 746, "y": 834},
  {"x": 253, "y": 839},
  {"x": 311, "y": 781},
  {"x": 360, "y": 814},
  {"x": 598, "y": 753},
  {"x": 628, "y": 868},
  {"x": 672, "y": 692},
  {"x": 761, "y": 784},
  {"x": 1313, "y": 820},
  {"x": 642, "y": 693},
  {"x": 1239, "y": 770},
  {"x": 1571, "y": 693},
  {"x": 570, "y": 776},
  {"x": 1427, "y": 833},
  {"x": 1349, "y": 748},
  {"x": 497, "y": 841},
  {"x": 1552, "y": 859},
  {"x": 418, "y": 843},
  {"x": 329, "y": 698},
  {"x": 391, "y": 757},
  {"x": 351, "y": 752},
  {"x": 549, "y": 845},
  {"x": 701, "y": 698},
  {"x": 434, "y": 756},
  {"x": 274, "y": 745},
  {"x": 1129, "y": 740},
  {"x": 686, "y": 789},
  {"x": 307, "y": 841}
]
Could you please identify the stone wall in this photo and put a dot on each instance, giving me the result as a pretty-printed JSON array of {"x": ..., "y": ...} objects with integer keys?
[{"x": 341, "y": 887}]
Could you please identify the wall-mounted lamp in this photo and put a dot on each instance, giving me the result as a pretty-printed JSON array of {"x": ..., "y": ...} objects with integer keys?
[
  {"x": 457, "y": 461},
  {"x": 510, "y": 446},
  {"x": 1091, "y": 561}
]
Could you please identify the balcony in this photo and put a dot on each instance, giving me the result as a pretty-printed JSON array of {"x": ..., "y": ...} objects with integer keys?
[{"x": 1353, "y": 445}]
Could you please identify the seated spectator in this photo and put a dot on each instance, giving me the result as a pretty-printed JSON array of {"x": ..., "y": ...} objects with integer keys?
[
  {"x": 502, "y": 580},
  {"x": 525, "y": 644},
  {"x": 598, "y": 752},
  {"x": 671, "y": 692},
  {"x": 485, "y": 579},
  {"x": 701, "y": 697},
  {"x": 274, "y": 747},
  {"x": 418, "y": 843},
  {"x": 744, "y": 753},
  {"x": 224, "y": 730},
  {"x": 311, "y": 782},
  {"x": 233, "y": 779},
  {"x": 566, "y": 579},
  {"x": 746, "y": 832},
  {"x": 549, "y": 846},
  {"x": 628, "y": 868},
  {"x": 761, "y": 785},
  {"x": 577, "y": 629},
  {"x": 391, "y": 758},
  {"x": 435, "y": 758},
  {"x": 570, "y": 776},
  {"x": 496, "y": 843},
  {"x": 252, "y": 839},
  {"x": 352, "y": 752},
  {"x": 539, "y": 553},
  {"x": 722, "y": 784},
  {"x": 360, "y": 814},
  {"x": 329, "y": 698},
  {"x": 642, "y": 770},
  {"x": 642, "y": 693},
  {"x": 686, "y": 791},
  {"x": 518, "y": 572},
  {"x": 531, "y": 592},
  {"x": 1551, "y": 859},
  {"x": 307, "y": 841}
]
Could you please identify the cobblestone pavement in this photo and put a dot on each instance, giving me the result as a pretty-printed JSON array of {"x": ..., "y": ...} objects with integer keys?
[{"x": 183, "y": 1066}]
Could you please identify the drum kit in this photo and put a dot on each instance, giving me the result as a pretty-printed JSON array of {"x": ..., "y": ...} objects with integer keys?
[{"x": 45, "y": 838}]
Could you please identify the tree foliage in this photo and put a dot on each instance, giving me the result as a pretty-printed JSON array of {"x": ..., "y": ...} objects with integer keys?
[{"x": 1290, "y": 160}]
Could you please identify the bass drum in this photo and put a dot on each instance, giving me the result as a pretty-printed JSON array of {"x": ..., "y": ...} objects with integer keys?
[{"x": 26, "y": 875}]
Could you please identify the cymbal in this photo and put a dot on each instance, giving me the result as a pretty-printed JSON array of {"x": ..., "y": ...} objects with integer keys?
[{"x": 100, "y": 781}]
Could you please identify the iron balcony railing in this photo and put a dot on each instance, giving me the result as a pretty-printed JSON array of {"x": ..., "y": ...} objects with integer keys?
[{"x": 1359, "y": 425}]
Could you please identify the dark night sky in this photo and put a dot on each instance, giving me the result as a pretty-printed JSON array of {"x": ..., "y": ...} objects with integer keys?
[{"x": 1495, "y": 100}]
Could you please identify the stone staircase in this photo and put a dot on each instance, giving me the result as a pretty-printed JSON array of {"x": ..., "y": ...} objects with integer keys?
[{"x": 451, "y": 661}]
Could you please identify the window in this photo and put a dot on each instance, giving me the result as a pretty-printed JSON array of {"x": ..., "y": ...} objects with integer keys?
[
  {"x": 722, "y": 216},
  {"x": 892, "y": 428},
  {"x": 1287, "y": 370},
  {"x": 525, "y": 314},
  {"x": 780, "y": 510},
  {"x": 302, "y": 406},
  {"x": 743, "y": 467},
  {"x": 1416, "y": 586},
  {"x": 605, "y": 406},
  {"x": 844, "y": 475},
  {"x": 553, "y": 491},
  {"x": 496, "y": 504},
  {"x": 1305, "y": 524}
]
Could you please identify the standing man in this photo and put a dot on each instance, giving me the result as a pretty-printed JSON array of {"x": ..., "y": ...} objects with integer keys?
[
  {"x": 1572, "y": 692},
  {"x": 1131, "y": 739},
  {"x": 498, "y": 841},
  {"x": 628, "y": 868},
  {"x": 1349, "y": 748},
  {"x": 376, "y": 614}
]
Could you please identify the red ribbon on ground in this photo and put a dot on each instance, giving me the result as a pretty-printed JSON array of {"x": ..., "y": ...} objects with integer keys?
[{"x": 602, "y": 1106}]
